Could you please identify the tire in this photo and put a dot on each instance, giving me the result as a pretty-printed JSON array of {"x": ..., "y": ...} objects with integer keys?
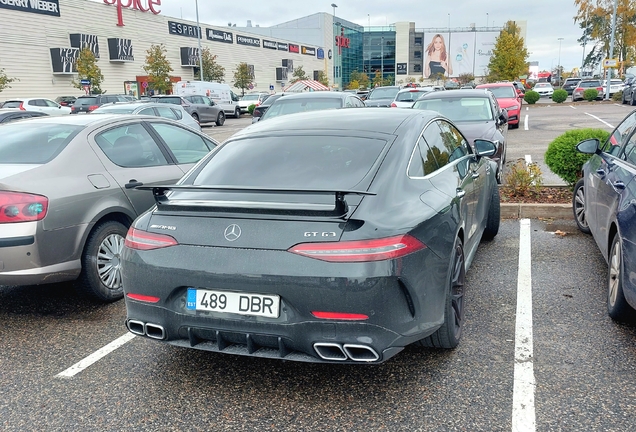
[
  {"x": 578, "y": 207},
  {"x": 449, "y": 334},
  {"x": 100, "y": 278},
  {"x": 632, "y": 102},
  {"x": 237, "y": 112},
  {"x": 617, "y": 307},
  {"x": 220, "y": 120},
  {"x": 494, "y": 215},
  {"x": 195, "y": 116},
  {"x": 623, "y": 101}
]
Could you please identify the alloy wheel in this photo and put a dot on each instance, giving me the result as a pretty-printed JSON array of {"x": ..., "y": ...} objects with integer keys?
[
  {"x": 579, "y": 207},
  {"x": 614, "y": 273},
  {"x": 457, "y": 289}
]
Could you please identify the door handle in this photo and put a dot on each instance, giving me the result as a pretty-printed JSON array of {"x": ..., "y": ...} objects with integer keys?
[
  {"x": 618, "y": 184},
  {"x": 600, "y": 171},
  {"x": 475, "y": 174},
  {"x": 132, "y": 183},
  {"x": 460, "y": 193}
]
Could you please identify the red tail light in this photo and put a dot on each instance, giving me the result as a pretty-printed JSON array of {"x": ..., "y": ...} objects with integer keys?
[
  {"x": 143, "y": 298},
  {"x": 143, "y": 240},
  {"x": 22, "y": 106},
  {"x": 360, "y": 250},
  {"x": 393, "y": 105},
  {"x": 22, "y": 207},
  {"x": 340, "y": 316},
  {"x": 93, "y": 107}
]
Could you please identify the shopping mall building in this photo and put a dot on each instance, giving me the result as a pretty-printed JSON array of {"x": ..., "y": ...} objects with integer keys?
[{"x": 40, "y": 41}]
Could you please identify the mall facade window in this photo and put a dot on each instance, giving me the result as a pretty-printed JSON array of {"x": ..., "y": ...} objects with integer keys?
[
  {"x": 379, "y": 51},
  {"x": 349, "y": 56}
]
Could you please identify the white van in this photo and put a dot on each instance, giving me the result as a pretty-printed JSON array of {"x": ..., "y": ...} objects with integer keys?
[{"x": 220, "y": 93}]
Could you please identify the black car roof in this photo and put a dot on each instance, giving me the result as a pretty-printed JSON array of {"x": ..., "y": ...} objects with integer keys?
[{"x": 372, "y": 120}]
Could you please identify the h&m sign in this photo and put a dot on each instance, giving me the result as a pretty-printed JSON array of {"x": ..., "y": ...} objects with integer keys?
[
  {"x": 120, "y": 50},
  {"x": 64, "y": 60},
  {"x": 81, "y": 41}
]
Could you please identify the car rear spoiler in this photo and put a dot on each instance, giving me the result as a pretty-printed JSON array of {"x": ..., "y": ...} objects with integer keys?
[{"x": 340, "y": 208}]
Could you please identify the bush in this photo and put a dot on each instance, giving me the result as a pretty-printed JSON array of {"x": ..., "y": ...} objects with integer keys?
[
  {"x": 532, "y": 97},
  {"x": 562, "y": 157},
  {"x": 618, "y": 96},
  {"x": 250, "y": 109},
  {"x": 559, "y": 96},
  {"x": 590, "y": 94},
  {"x": 523, "y": 180}
]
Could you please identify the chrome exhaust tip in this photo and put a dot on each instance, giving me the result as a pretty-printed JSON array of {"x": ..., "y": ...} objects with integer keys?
[
  {"x": 155, "y": 331},
  {"x": 136, "y": 327},
  {"x": 361, "y": 353},
  {"x": 330, "y": 351}
]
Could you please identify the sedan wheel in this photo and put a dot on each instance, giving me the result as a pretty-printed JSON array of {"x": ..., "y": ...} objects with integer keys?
[
  {"x": 100, "y": 278},
  {"x": 578, "y": 207},
  {"x": 617, "y": 307},
  {"x": 220, "y": 120},
  {"x": 448, "y": 335}
]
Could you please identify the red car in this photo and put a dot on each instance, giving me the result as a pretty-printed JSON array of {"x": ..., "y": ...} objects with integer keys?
[{"x": 508, "y": 99}]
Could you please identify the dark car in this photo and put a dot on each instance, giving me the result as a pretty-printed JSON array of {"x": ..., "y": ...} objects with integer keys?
[
  {"x": 332, "y": 236},
  {"x": 9, "y": 115},
  {"x": 311, "y": 101},
  {"x": 476, "y": 113},
  {"x": 201, "y": 108},
  {"x": 603, "y": 205},
  {"x": 260, "y": 109},
  {"x": 629, "y": 91},
  {"x": 86, "y": 104},
  {"x": 381, "y": 96},
  {"x": 570, "y": 84},
  {"x": 65, "y": 100},
  {"x": 68, "y": 193}
]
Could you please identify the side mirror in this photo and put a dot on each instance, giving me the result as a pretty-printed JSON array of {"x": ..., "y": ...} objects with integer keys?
[
  {"x": 485, "y": 148},
  {"x": 588, "y": 146},
  {"x": 503, "y": 117}
]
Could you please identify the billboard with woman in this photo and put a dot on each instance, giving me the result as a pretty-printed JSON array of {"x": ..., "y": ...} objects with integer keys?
[{"x": 436, "y": 56}]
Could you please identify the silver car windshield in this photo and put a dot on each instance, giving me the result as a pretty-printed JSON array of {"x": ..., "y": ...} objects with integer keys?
[{"x": 36, "y": 144}]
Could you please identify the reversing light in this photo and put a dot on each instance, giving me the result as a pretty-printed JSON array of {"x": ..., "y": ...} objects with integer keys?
[
  {"x": 340, "y": 316},
  {"x": 360, "y": 250},
  {"x": 143, "y": 240}
]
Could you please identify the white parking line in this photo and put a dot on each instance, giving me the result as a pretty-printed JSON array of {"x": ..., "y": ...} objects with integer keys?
[
  {"x": 602, "y": 121},
  {"x": 573, "y": 107},
  {"x": 97, "y": 355},
  {"x": 523, "y": 414},
  {"x": 525, "y": 122}
]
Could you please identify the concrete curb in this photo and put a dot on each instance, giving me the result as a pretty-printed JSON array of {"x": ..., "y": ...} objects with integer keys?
[{"x": 536, "y": 211}]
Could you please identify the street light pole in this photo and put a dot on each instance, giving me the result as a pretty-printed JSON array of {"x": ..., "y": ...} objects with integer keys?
[
  {"x": 448, "y": 53},
  {"x": 559, "y": 64},
  {"x": 335, "y": 67},
  {"x": 196, "y": 2},
  {"x": 611, "y": 53}
]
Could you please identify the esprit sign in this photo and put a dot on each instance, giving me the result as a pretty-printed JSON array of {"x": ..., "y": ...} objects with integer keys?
[{"x": 140, "y": 5}]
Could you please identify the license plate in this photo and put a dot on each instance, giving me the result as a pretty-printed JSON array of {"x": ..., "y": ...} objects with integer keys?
[{"x": 232, "y": 302}]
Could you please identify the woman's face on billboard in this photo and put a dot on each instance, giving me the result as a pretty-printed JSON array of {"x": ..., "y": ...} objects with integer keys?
[{"x": 437, "y": 43}]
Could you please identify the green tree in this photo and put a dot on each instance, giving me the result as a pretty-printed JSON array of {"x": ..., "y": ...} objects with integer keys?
[
  {"x": 298, "y": 75},
  {"x": 360, "y": 77},
  {"x": 212, "y": 71},
  {"x": 158, "y": 68},
  {"x": 465, "y": 78},
  {"x": 323, "y": 78},
  {"x": 509, "y": 56},
  {"x": 377, "y": 79},
  {"x": 243, "y": 77},
  {"x": 389, "y": 80},
  {"x": 87, "y": 69},
  {"x": 5, "y": 80},
  {"x": 353, "y": 85}
]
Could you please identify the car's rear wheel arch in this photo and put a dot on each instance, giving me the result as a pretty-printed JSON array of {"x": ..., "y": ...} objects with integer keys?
[{"x": 613, "y": 230}]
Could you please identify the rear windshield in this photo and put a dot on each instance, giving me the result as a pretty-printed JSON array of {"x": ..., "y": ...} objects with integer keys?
[
  {"x": 410, "y": 96},
  {"x": 37, "y": 144},
  {"x": 168, "y": 100},
  {"x": 85, "y": 101},
  {"x": 590, "y": 84},
  {"x": 250, "y": 97},
  {"x": 285, "y": 106},
  {"x": 460, "y": 109},
  {"x": 383, "y": 93},
  {"x": 114, "y": 109},
  {"x": 292, "y": 162},
  {"x": 12, "y": 104},
  {"x": 503, "y": 92}
]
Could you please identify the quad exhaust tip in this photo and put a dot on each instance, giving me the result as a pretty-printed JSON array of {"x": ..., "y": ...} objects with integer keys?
[
  {"x": 337, "y": 352},
  {"x": 153, "y": 331}
]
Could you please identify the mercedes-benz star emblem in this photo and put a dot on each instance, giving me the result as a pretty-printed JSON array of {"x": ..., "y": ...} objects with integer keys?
[{"x": 232, "y": 232}]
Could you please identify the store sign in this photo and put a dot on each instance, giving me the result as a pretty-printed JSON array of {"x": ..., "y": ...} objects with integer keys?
[
  {"x": 120, "y": 50},
  {"x": 294, "y": 48},
  {"x": 246, "y": 40},
  {"x": 140, "y": 5},
  {"x": 181, "y": 29},
  {"x": 282, "y": 46},
  {"x": 219, "y": 36},
  {"x": 308, "y": 51},
  {"x": 189, "y": 56},
  {"x": 270, "y": 44},
  {"x": 320, "y": 53},
  {"x": 401, "y": 69},
  {"x": 81, "y": 41},
  {"x": 342, "y": 41},
  {"x": 43, "y": 7},
  {"x": 63, "y": 60}
]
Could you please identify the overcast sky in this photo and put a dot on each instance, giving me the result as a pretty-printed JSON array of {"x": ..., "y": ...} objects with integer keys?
[{"x": 547, "y": 20}]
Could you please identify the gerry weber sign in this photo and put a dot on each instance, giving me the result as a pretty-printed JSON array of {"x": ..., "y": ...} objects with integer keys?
[
  {"x": 140, "y": 5},
  {"x": 44, "y": 7}
]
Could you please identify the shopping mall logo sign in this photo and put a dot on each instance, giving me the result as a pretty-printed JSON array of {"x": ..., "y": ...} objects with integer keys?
[
  {"x": 140, "y": 5},
  {"x": 342, "y": 41}
]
